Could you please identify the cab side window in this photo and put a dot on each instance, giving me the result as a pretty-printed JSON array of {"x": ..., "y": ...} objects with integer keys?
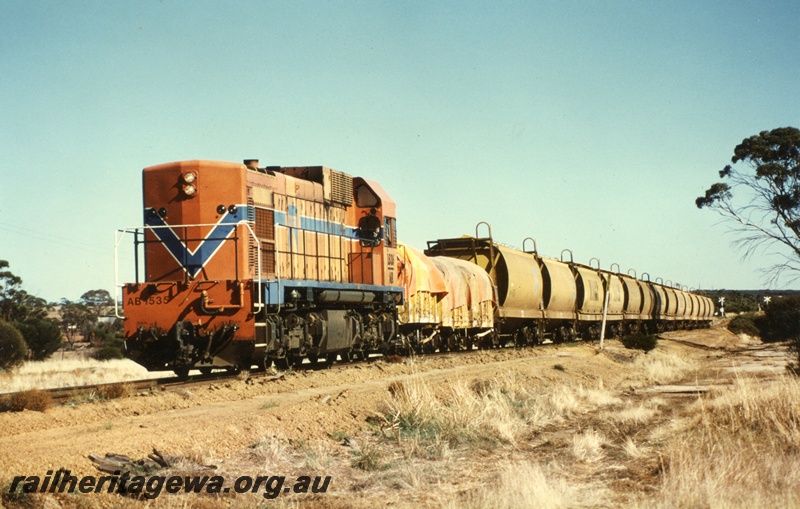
[{"x": 365, "y": 197}]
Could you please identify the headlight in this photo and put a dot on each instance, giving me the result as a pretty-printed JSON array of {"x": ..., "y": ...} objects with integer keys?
[
  {"x": 189, "y": 177},
  {"x": 189, "y": 189}
]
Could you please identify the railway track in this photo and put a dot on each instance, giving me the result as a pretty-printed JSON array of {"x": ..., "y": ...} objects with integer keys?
[
  {"x": 112, "y": 390},
  {"x": 65, "y": 395}
]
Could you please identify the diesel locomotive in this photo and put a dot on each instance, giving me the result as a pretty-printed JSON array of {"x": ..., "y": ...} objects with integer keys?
[{"x": 249, "y": 266}]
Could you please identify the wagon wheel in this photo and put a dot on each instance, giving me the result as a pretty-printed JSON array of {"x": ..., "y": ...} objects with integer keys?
[
  {"x": 181, "y": 372},
  {"x": 539, "y": 338},
  {"x": 281, "y": 363},
  {"x": 452, "y": 343},
  {"x": 521, "y": 337}
]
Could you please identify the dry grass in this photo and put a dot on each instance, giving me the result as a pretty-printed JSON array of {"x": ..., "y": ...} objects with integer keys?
[
  {"x": 33, "y": 399},
  {"x": 483, "y": 414},
  {"x": 51, "y": 374},
  {"x": 587, "y": 446},
  {"x": 522, "y": 485},
  {"x": 739, "y": 449},
  {"x": 660, "y": 367},
  {"x": 632, "y": 414},
  {"x": 115, "y": 391}
]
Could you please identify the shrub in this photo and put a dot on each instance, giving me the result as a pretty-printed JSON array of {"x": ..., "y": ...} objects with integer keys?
[
  {"x": 644, "y": 342},
  {"x": 33, "y": 399},
  {"x": 43, "y": 337},
  {"x": 108, "y": 353},
  {"x": 744, "y": 324},
  {"x": 113, "y": 349},
  {"x": 115, "y": 391},
  {"x": 781, "y": 320},
  {"x": 12, "y": 346}
]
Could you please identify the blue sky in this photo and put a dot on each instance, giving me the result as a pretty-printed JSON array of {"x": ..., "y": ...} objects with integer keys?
[{"x": 587, "y": 125}]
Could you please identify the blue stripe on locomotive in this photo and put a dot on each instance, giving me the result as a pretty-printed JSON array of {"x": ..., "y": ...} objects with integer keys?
[{"x": 274, "y": 290}]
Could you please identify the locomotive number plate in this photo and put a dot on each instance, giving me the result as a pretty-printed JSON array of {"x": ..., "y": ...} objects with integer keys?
[{"x": 152, "y": 301}]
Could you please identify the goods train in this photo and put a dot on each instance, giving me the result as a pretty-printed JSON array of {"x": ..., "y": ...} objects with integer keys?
[{"x": 249, "y": 266}]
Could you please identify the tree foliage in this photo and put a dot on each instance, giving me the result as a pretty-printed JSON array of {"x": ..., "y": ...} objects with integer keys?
[
  {"x": 760, "y": 194},
  {"x": 12, "y": 346},
  {"x": 97, "y": 300},
  {"x": 781, "y": 320},
  {"x": 76, "y": 318},
  {"x": 17, "y": 305},
  {"x": 43, "y": 337}
]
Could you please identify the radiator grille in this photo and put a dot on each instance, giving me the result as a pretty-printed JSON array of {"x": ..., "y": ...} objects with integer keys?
[
  {"x": 265, "y": 231},
  {"x": 341, "y": 188},
  {"x": 265, "y": 224}
]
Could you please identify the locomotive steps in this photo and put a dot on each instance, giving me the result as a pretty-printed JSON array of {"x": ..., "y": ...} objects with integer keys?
[{"x": 592, "y": 429}]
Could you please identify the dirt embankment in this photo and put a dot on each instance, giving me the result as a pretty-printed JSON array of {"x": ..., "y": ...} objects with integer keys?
[{"x": 314, "y": 410}]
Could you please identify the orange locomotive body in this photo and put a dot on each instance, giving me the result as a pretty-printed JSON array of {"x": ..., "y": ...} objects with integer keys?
[{"x": 245, "y": 266}]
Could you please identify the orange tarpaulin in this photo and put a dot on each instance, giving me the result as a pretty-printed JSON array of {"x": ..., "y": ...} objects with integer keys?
[
  {"x": 417, "y": 273},
  {"x": 469, "y": 284}
]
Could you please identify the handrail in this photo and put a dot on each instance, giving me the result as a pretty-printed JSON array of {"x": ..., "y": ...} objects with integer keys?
[
  {"x": 570, "y": 255},
  {"x": 634, "y": 273},
  {"x": 138, "y": 230},
  {"x": 598, "y": 263},
  {"x": 260, "y": 304},
  {"x": 487, "y": 226},
  {"x": 611, "y": 267},
  {"x": 492, "y": 270},
  {"x": 648, "y": 276},
  {"x": 662, "y": 281},
  {"x": 535, "y": 251}
]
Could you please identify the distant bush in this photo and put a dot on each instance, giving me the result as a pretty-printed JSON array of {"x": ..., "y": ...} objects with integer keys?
[
  {"x": 33, "y": 399},
  {"x": 108, "y": 353},
  {"x": 735, "y": 302},
  {"x": 43, "y": 337},
  {"x": 781, "y": 320},
  {"x": 13, "y": 350},
  {"x": 113, "y": 349},
  {"x": 744, "y": 324},
  {"x": 644, "y": 342}
]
